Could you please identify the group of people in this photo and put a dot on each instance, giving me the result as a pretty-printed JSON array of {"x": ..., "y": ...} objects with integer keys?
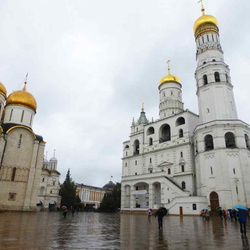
[{"x": 205, "y": 214}]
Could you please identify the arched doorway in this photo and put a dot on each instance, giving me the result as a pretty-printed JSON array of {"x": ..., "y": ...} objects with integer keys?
[
  {"x": 214, "y": 201},
  {"x": 141, "y": 196}
]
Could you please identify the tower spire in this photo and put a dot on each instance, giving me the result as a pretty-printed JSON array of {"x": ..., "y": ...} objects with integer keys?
[
  {"x": 142, "y": 109},
  {"x": 202, "y": 7}
]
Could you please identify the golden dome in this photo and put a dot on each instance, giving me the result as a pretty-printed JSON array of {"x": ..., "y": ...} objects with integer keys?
[
  {"x": 3, "y": 90},
  {"x": 170, "y": 78},
  {"x": 204, "y": 19},
  {"x": 23, "y": 98}
]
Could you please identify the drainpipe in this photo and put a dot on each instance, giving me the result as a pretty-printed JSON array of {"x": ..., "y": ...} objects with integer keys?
[{"x": 3, "y": 150}]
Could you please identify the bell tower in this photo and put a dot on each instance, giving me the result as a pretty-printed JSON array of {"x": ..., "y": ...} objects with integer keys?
[{"x": 214, "y": 86}]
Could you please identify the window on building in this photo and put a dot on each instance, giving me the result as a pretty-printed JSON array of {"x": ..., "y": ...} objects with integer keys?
[
  {"x": 217, "y": 76},
  {"x": 180, "y": 133},
  {"x": 135, "y": 162},
  {"x": 207, "y": 38},
  {"x": 51, "y": 191},
  {"x": 211, "y": 169},
  {"x": 236, "y": 190},
  {"x": 31, "y": 116},
  {"x": 171, "y": 92},
  {"x": 150, "y": 131},
  {"x": 22, "y": 116},
  {"x": 183, "y": 185},
  {"x": 181, "y": 154},
  {"x": 247, "y": 141},
  {"x": 13, "y": 174},
  {"x": 180, "y": 121},
  {"x": 209, "y": 144},
  {"x": 168, "y": 200},
  {"x": 169, "y": 170},
  {"x": 234, "y": 170},
  {"x": 136, "y": 147},
  {"x": 19, "y": 141},
  {"x": 165, "y": 133},
  {"x": 205, "y": 82},
  {"x": 11, "y": 114},
  {"x": 150, "y": 141},
  {"x": 230, "y": 140},
  {"x": 150, "y": 160},
  {"x": 43, "y": 180},
  {"x": 135, "y": 173},
  {"x": 194, "y": 207},
  {"x": 182, "y": 168},
  {"x": 12, "y": 196},
  {"x": 202, "y": 39},
  {"x": 226, "y": 78},
  {"x": 136, "y": 188}
]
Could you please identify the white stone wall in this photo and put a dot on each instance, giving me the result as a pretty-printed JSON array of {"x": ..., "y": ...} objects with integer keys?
[{"x": 19, "y": 115}]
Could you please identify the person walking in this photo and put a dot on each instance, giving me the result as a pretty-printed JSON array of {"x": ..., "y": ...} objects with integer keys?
[
  {"x": 242, "y": 218},
  {"x": 160, "y": 213}
]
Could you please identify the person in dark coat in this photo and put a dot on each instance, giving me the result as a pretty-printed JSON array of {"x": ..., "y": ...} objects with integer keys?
[
  {"x": 242, "y": 218},
  {"x": 161, "y": 212}
]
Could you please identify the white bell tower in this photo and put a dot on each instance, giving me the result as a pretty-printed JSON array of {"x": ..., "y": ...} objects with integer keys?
[{"x": 214, "y": 86}]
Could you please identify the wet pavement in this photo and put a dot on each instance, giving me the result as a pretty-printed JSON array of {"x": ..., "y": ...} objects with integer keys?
[{"x": 49, "y": 230}]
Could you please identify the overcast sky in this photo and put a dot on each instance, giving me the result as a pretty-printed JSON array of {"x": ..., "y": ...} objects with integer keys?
[{"x": 92, "y": 63}]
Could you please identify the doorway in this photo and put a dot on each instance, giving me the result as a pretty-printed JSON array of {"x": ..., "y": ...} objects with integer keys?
[
  {"x": 181, "y": 211},
  {"x": 214, "y": 201}
]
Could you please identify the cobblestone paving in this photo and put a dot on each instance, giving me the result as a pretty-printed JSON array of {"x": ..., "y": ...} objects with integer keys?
[{"x": 114, "y": 231}]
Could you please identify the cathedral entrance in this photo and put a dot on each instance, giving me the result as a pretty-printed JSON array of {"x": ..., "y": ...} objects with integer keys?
[{"x": 214, "y": 201}]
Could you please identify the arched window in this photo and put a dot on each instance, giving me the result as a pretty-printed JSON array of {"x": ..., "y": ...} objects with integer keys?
[
  {"x": 180, "y": 121},
  {"x": 136, "y": 147},
  {"x": 209, "y": 144},
  {"x": 150, "y": 141},
  {"x": 211, "y": 169},
  {"x": 183, "y": 185},
  {"x": 205, "y": 82},
  {"x": 165, "y": 133},
  {"x": 150, "y": 131},
  {"x": 13, "y": 174},
  {"x": 127, "y": 147},
  {"x": 43, "y": 180},
  {"x": 181, "y": 154},
  {"x": 230, "y": 140},
  {"x": 42, "y": 191},
  {"x": 226, "y": 78},
  {"x": 182, "y": 168},
  {"x": 169, "y": 170},
  {"x": 247, "y": 141},
  {"x": 150, "y": 160},
  {"x": 180, "y": 133},
  {"x": 217, "y": 76}
]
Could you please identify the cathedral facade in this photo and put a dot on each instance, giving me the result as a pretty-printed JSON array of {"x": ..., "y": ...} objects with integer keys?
[
  {"x": 21, "y": 152},
  {"x": 188, "y": 162}
]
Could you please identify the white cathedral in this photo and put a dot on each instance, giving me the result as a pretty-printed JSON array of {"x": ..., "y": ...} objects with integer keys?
[
  {"x": 184, "y": 161},
  {"x": 28, "y": 182}
]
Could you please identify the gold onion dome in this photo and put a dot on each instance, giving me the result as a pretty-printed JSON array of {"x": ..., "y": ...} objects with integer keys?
[
  {"x": 170, "y": 78},
  {"x": 3, "y": 90},
  {"x": 23, "y": 98},
  {"x": 205, "y": 19}
]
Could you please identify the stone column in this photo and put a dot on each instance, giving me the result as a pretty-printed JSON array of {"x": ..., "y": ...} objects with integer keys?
[
  {"x": 151, "y": 195},
  {"x": 122, "y": 197},
  {"x": 132, "y": 197}
]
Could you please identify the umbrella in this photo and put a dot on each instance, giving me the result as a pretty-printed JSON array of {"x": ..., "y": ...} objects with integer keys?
[
  {"x": 240, "y": 207},
  {"x": 218, "y": 208}
]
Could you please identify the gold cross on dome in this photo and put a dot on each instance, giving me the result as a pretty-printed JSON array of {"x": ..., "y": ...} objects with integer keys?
[
  {"x": 202, "y": 7},
  {"x": 168, "y": 63}
]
